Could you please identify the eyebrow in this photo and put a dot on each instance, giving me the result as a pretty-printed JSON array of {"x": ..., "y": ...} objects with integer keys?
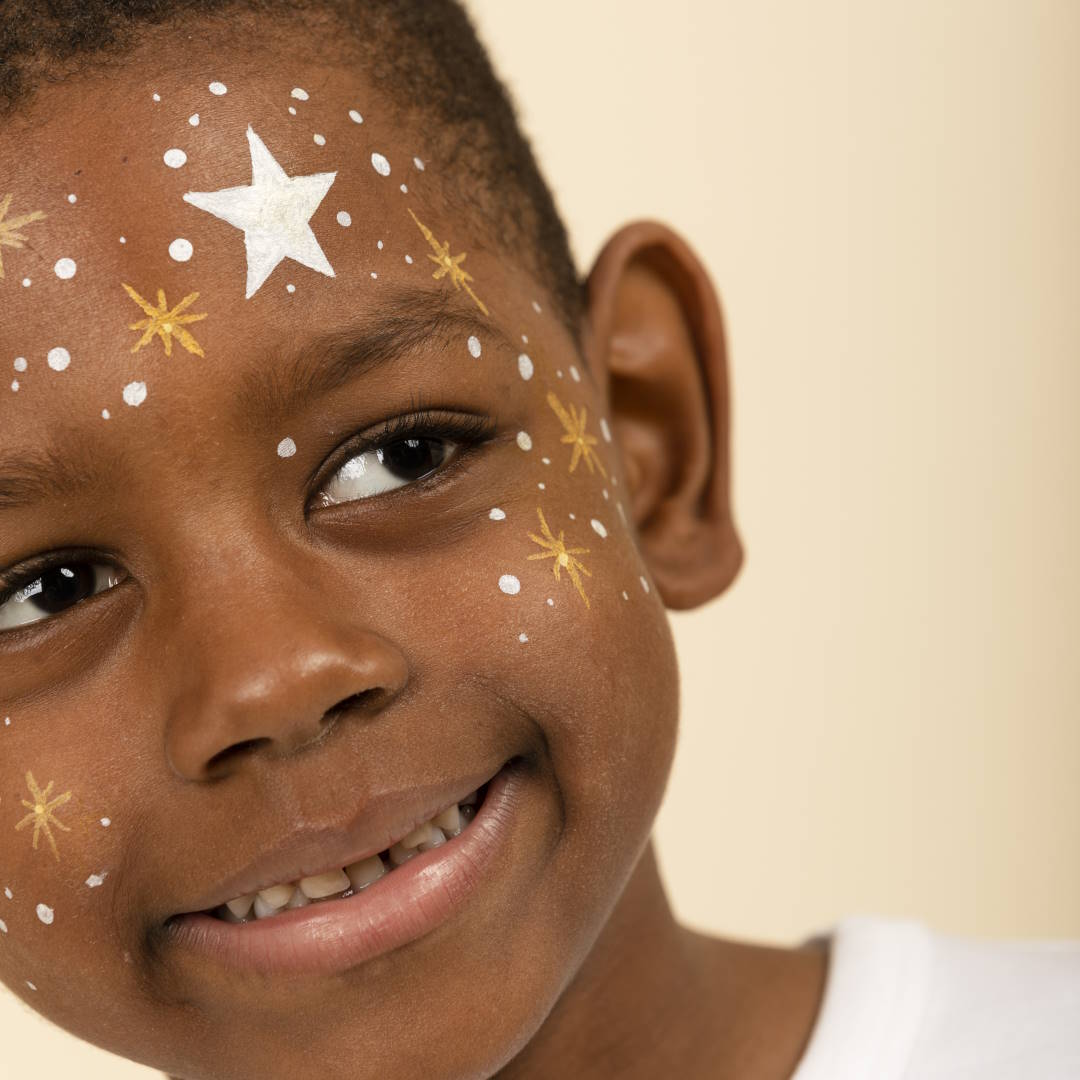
[{"x": 406, "y": 321}]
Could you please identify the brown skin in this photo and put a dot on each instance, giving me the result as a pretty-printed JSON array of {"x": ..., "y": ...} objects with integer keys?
[{"x": 197, "y": 703}]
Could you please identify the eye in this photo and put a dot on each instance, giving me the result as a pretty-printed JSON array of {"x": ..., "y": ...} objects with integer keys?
[
  {"x": 54, "y": 590},
  {"x": 386, "y": 467}
]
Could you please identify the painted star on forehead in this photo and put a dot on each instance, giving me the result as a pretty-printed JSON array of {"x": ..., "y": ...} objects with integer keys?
[
  {"x": 165, "y": 324},
  {"x": 10, "y": 236},
  {"x": 574, "y": 423},
  {"x": 273, "y": 212},
  {"x": 563, "y": 556},
  {"x": 41, "y": 812},
  {"x": 449, "y": 264}
]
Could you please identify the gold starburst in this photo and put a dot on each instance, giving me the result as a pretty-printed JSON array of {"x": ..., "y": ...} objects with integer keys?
[
  {"x": 449, "y": 264},
  {"x": 163, "y": 323},
  {"x": 563, "y": 556},
  {"x": 574, "y": 423},
  {"x": 41, "y": 812},
  {"x": 9, "y": 230}
]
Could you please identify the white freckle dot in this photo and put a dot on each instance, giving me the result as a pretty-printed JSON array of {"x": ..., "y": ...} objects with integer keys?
[
  {"x": 104, "y": 414},
  {"x": 135, "y": 393},
  {"x": 598, "y": 527},
  {"x": 509, "y": 584},
  {"x": 174, "y": 157},
  {"x": 59, "y": 358},
  {"x": 292, "y": 110},
  {"x": 26, "y": 283},
  {"x": 404, "y": 190},
  {"x": 20, "y": 363},
  {"x": 193, "y": 119},
  {"x": 15, "y": 385},
  {"x": 45, "y": 913},
  {"x": 625, "y": 595},
  {"x": 525, "y": 366},
  {"x": 418, "y": 163},
  {"x": 523, "y": 638},
  {"x": 320, "y": 140},
  {"x": 7, "y": 893},
  {"x": 605, "y": 494},
  {"x": 379, "y": 245},
  {"x": 30, "y": 984},
  {"x": 475, "y": 348},
  {"x": 525, "y": 339},
  {"x": 524, "y": 441},
  {"x": 573, "y": 517},
  {"x": 7, "y": 722},
  {"x": 157, "y": 97},
  {"x": 546, "y": 460},
  {"x": 299, "y": 93},
  {"x": 550, "y": 602},
  {"x": 355, "y": 117},
  {"x": 94, "y": 880},
  {"x": 542, "y": 486},
  {"x": 559, "y": 373},
  {"x": 181, "y": 249},
  {"x": 496, "y": 514},
  {"x": 380, "y": 164},
  {"x": 574, "y": 374},
  {"x": 604, "y": 429},
  {"x": 344, "y": 218},
  {"x": 644, "y": 583},
  {"x": 3, "y": 927},
  {"x": 123, "y": 239},
  {"x": 286, "y": 448},
  {"x": 106, "y": 822},
  {"x": 536, "y": 307},
  {"x": 73, "y": 198},
  {"x": 373, "y": 274},
  {"x": 218, "y": 88},
  {"x": 408, "y": 259},
  {"x": 64, "y": 269}
]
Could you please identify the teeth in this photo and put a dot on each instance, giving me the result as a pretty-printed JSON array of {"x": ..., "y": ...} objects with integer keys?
[
  {"x": 298, "y": 899},
  {"x": 322, "y": 885},
  {"x": 449, "y": 821},
  {"x": 241, "y": 906},
  {"x": 420, "y": 835},
  {"x": 435, "y": 840},
  {"x": 400, "y": 854},
  {"x": 366, "y": 871},
  {"x": 264, "y": 910},
  {"x": 277, "y": 895}
]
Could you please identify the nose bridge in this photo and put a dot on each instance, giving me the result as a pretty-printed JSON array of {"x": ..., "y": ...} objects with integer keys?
[{"x": 264, "y": 655}]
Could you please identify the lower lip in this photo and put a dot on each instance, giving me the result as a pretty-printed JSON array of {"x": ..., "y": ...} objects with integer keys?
[{"x": 334, "y": 935}]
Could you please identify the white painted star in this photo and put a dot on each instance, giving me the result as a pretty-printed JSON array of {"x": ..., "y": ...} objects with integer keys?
[{"x": 273, "y": 211}]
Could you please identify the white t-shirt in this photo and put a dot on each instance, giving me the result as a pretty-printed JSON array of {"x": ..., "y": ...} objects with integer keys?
[{"x": 903, "y": 1002}]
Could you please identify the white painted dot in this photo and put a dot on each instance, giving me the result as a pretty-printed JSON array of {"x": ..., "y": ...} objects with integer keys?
[
  {"x": 523, "y": 638},
  {"x": 524, "y": 441},
  {"x": 7, "y": 892},
  {"x": 7, "y": 723},
  {"x": 26, "y": 283},
  {"x": 193, "y": 119},
  {"x": 598, "y": 527},
  {"x": 290, "y": 287},
  {"x": 15, "y": 385},
  {"x": 525, "y": 367},
  {"x": 104, "y": 414},
  {"x": 320, "y": 140},
  {"x": 157, "y": 97},
  {"x": 574, "y": 374},
  {"x": 546, "y": 460},
  {"x": 30, "y": 984},
  {"x": 373, "y": 274},
  {"x": 475, "y": 348},
  {"x": 45, "y": 914},
  {"x": 292, "y": 110},
  {"x": 344, "y": 218},
  {"x": 123, "y": 239},
  {"x": 355, "y": 117},
  {"x": 64, "y": 269},
  {"x": 542, "y": 486},
  {"x": 218, "y": 88},
  {"x": 604, "y": 429},
  {"x": 509, "y": 584},
  {"x": 408, "y": 259},
  {"x": 3, "y": 927},
  {"x": 380, "y": 164},
  {"x": 496, "y": 514},
  {"x": 418, "y": 163},
  {"x": 404, "y": 189},
  {"x": 20, "y": 363},
  {"x": 106, "y": 822},
  {"x": 94, "y": 880},
  {"x": 605, "y": 494},
  {"x": 573, "y": 517},
  {"x": 559, "y": 373},
  {"x": 73, "y": 198},
  {"x": 59, "y": 358},
  {"x": 550, "y": 602},
  {"x": 379, "y": 245},
  {"x": 625, "y": 595},
  {"x": 135, "y": 393},
  {"x": 622, "y": 513},
  {"x": 299, "y": 93},
  {"x": 286, "y": 448},
  {"x": 644, "y": 583},
  {"x": 174, "y": 157},
  {"x": 536, "y": 307},
  {"x": 181, "y": 249}
]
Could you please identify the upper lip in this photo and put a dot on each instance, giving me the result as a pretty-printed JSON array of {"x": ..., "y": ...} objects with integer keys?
[{"x": 379, "y": 822}]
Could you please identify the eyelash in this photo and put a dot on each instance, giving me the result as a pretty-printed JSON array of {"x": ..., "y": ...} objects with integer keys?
[{"x": 468, "y": 431}]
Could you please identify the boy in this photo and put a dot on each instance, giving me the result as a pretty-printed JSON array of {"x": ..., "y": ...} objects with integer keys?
[{"x": 336, "y": 524}]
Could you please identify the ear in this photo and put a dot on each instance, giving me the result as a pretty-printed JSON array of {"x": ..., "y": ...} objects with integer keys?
[{"x": 654, "y": 339}]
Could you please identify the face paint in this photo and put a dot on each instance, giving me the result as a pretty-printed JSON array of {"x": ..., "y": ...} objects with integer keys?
[
  {"x": 11, "y": 234},
  {"x": 564, "y": 557},
  {"x": 43, "y": 813},
  {"x": 448, "y": 264},
  {"x": 165, "y": 323},
  {"x": 574, "y": 424}
]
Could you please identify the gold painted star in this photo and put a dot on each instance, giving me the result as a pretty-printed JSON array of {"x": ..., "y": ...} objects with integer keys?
[
  {"x": 163, "y": 323},
  {"x": 563, "y": 556},
  {"x": 9, "y": 229},
  {"x": 41, "y": 812},
  {"x": 574, "y": 423},
  {"x": 449, "y": 264}
]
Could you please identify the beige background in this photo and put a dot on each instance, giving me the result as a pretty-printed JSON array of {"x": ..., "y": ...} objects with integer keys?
[{"x": 883, "y": 715}]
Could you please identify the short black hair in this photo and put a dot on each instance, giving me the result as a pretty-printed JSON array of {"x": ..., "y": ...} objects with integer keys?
[{"x": 422, "y": 55}]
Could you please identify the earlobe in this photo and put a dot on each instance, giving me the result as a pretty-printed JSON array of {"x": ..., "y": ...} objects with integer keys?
[{"x": 655, "y": 341}]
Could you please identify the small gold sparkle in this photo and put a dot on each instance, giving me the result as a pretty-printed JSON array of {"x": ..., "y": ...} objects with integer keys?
[
  {"x": 563, "y": 556},
  {"x": 165, "y": 324},
  {"x": 574, "y": 423},
  {"x": 449, "y": 264},
  {"x": 10, "y": 236},
  {"x": 41, "y": 812}
]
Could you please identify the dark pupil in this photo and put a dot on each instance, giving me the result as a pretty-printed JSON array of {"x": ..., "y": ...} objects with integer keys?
[
  {"x": 410, "y": 459},
  {"x": 64, "y": 586}
]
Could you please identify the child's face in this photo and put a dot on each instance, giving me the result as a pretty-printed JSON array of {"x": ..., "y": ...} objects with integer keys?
[{"x": 258, "y": 627}]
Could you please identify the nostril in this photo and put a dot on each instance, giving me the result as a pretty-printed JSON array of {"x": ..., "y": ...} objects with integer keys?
[
  {"x": 365, "y": 701},
  {"x": 236, "y": 750}
]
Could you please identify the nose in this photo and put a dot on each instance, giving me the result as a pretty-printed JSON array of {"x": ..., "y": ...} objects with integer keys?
[{"x": 266, "y": 672}]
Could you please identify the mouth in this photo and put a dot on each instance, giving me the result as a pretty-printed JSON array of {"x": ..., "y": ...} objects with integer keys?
[{"x": 334, "y": 920}]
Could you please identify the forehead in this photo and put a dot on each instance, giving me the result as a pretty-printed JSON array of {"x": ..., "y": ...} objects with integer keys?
[{"x": 187, "y": 219}]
